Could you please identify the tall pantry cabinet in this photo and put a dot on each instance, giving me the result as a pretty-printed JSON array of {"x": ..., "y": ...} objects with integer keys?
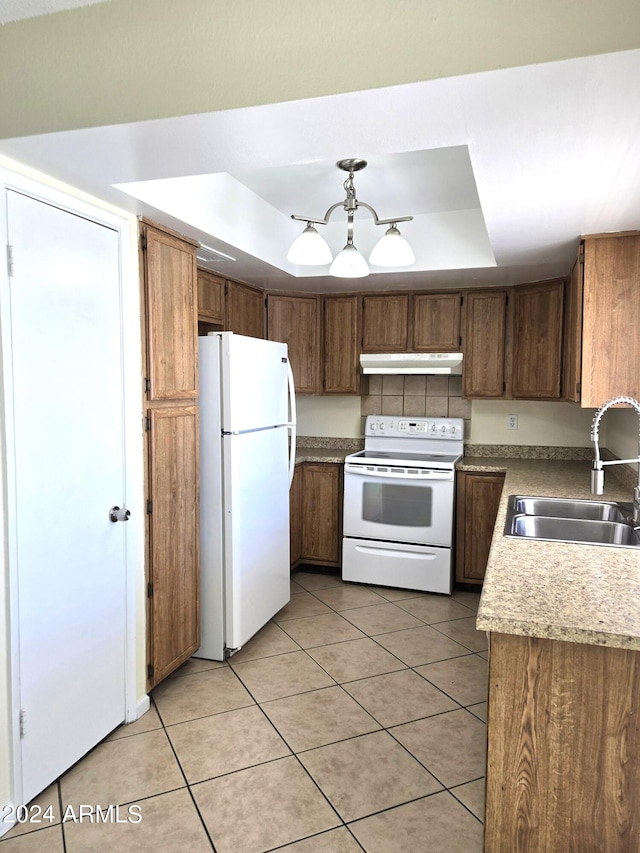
[{"x": 170, "y": 340}]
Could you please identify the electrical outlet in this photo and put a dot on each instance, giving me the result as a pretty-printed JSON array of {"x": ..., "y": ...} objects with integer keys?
[{"x": 512, "y": 422}]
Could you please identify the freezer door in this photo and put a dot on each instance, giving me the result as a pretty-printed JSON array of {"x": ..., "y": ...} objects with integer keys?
[
  {"x": 254, "y": 383},
  {"x": 256, "y": 531}
]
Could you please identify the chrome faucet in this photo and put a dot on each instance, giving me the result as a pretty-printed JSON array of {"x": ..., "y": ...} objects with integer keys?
[{"x": 597, "y": 470}]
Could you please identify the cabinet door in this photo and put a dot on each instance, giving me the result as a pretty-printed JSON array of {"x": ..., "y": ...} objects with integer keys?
[
  {"x": 211, "y": 297},
  {"x": 171, "y": 315},
  {"x": 537, "y": 340},
  {"x": 384, "y": 323},
  {"x": 341, "y": 351},
  {"x": 611, "y": 319},
  {"x": 484, "y": 343},
  {"x": 295, "y": 517},
  {"x": 295, "y": 320},
  {"x": 572, "y": 337},
  {"x": 245, "y": 310},
  {"x": 322, "y": 513},
  {"x": 174, "y": 544},
  {"x": 477, "y": 500},
  {"x": 436, "y": 322}
]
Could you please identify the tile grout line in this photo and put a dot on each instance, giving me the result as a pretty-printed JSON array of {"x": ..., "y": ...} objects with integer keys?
[{"x": 186, "y": 781}]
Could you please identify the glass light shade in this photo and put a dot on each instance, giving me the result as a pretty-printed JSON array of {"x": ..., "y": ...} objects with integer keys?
[
  {"x": 310, "y": 249},
  {"x": 392, "y": 250},
  {"x": 349, "y": 263}
]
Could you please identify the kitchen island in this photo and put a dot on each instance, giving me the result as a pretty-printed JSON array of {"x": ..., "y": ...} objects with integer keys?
[{"x": 563, "y": 765}]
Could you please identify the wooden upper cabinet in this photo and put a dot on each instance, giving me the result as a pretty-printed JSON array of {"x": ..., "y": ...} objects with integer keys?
[
  {"x": 611, "y": 319},
  {"x": 384, "y": 323},
  {"x": 211, "y": 298},
  {"x": 537, "y": 340},
  {"x": 341, "y": 345},
  {"x": 436, "y": 322},
  {"x": 295, "y": 320},
  {"x": 169, "y": 271},
  {"x": 484, "y": 343},
  {"x": 245, "y": 310}
]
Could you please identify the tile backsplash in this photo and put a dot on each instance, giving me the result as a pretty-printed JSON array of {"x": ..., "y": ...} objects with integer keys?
[{"x": 418, "y": 396}]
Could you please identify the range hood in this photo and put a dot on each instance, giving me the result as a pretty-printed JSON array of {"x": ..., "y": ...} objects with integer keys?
[{"x": 412, "y": 362}]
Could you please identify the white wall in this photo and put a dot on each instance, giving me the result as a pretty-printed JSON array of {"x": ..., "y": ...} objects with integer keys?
[
  {"x": 543, "y": 424},
  {"x": 126, "y": 61},
  {"x": 329, "y": 416},
  {"x": 620, "y": 428}
]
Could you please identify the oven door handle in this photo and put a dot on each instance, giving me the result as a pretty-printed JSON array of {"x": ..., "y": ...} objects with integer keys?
[
  {"x": 388, "y": 552},
  {"x": 438, "y": 476}
]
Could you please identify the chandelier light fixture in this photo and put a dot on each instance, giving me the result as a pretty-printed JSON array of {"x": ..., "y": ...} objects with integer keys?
[{"x": 311, "y": 249}]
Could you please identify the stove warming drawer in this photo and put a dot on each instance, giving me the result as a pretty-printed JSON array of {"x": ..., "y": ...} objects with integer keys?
[{"x": 397, "y": 564}]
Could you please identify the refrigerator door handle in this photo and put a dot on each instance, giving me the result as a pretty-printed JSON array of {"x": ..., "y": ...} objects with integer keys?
[{"x": 292, "y": 423}]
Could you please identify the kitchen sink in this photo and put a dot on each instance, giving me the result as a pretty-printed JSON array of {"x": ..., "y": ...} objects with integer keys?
[
  {"x": 576, "y": 521},
  {"x": 561, "y": 508}
]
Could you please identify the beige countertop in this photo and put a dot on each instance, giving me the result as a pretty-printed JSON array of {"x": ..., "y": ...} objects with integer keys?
[
  {"x": 321, "y": 454},
  {"x": 556, "y": 590}
]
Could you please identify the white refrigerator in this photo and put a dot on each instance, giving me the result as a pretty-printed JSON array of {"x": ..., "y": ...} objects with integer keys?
[{"x": 247, "y": 455}]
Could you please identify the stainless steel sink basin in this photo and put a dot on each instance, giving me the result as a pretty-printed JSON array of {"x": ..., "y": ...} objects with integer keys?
[
  {"x": 575, "y": 530},
  {"x": 576, "y": 521},
  {"x": 561, "y": 508}
]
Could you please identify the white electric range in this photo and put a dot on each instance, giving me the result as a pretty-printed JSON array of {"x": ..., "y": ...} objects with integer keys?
[{"x": 399, "y": 501}]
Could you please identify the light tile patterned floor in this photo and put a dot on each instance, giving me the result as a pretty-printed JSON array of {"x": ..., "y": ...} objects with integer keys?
[{"x": 354, "y": 721}]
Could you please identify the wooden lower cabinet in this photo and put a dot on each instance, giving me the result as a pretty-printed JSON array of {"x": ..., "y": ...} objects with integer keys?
[
  {"x": 563, "y": 763},
  {"x": 295, "y": 517},
  {"x": 174, "y": 541},
  {"x": 316, "y": 506},
  {"x": 477, "y": 500}
]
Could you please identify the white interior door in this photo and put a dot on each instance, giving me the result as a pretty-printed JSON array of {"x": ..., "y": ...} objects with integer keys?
[{"x": 67, "y": 370}]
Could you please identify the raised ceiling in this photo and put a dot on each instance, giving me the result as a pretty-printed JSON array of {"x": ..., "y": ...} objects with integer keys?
[
  {"x": 503, "y": 171},
  {"x": 19, "y": 10}
]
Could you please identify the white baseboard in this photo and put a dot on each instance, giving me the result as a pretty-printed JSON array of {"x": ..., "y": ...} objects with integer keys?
[
  {"x": 7, "y": 818},
  {"x": 143, "y": 706}
]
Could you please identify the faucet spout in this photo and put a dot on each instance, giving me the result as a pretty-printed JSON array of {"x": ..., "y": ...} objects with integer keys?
[{"x": 597, "y": 469}]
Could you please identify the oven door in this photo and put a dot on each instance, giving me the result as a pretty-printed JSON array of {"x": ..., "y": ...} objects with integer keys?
[{"x": 398, "y": 507}]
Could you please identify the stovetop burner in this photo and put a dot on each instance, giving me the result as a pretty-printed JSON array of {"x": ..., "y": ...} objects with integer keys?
[{"x": 406, "y": 458}]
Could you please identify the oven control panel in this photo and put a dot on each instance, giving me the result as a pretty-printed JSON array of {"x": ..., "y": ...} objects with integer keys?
[{"x": 407, "y": 427}]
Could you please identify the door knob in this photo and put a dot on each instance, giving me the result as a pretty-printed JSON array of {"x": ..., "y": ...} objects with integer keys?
[{"x": 117, "y": 514}]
